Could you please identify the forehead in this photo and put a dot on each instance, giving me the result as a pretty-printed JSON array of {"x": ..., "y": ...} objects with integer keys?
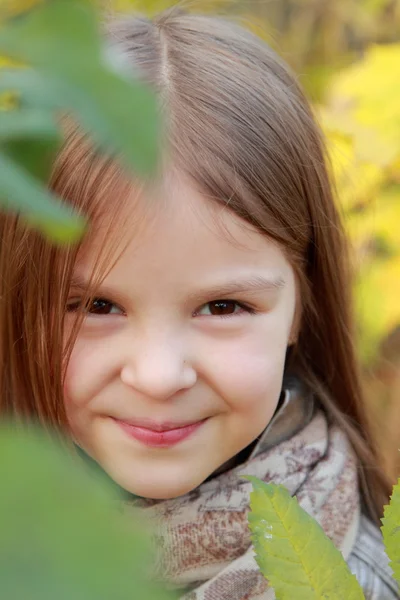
[{"x": 171, "y": 224}]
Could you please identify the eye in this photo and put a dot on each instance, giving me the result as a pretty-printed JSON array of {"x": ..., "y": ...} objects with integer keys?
[
  {"x": 223, "y": 308},
  {"x": 96, "y": 306}
]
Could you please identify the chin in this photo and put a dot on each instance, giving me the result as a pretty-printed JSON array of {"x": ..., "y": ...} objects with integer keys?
[
  {"x": 156, "y": 490},
  {"x": 165, "y": 492}
]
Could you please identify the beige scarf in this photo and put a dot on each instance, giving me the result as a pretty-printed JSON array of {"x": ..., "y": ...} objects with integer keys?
[{"x": 203, "y": 537}]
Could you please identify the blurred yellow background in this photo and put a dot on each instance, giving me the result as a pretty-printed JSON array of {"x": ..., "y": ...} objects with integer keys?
[{"x": 347, "y": 55}]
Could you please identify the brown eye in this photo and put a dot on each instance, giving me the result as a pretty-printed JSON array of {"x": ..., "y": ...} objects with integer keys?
[
  {"x": 220, "y": 308},
  {"x": 97, "y": 306},
  {"x": 223, "y": 307}
]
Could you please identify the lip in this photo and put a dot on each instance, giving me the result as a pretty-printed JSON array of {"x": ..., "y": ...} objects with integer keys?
[{"x": 159, "y": 435}]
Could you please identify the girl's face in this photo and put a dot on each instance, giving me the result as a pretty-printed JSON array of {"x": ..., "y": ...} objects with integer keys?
[{"x": 179, "y": 361}]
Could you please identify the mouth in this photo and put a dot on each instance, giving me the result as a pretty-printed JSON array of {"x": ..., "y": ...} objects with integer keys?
[{"x": 159, "y": 435}]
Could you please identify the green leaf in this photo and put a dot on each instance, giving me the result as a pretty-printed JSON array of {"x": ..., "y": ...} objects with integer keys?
[
  {"x": 21, "y": 192},
  {"x": 62, "y": 534},
  {"x": 29, "y": 38},
  {"x": 32, "y": 139},
  {"x": 120, "y": 113},
  {"x": 17, "y": 124},
  {"x": 391, "y": 531},
  {"x": 35, "y": 90},
  {"x": 36, "y": 156},
  {"x": 292, "y": 550},
  {"x": 10, "y": 9}
]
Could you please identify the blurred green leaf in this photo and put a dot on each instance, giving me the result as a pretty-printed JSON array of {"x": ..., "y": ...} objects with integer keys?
[
  {"x": 36, "y": 156},
  {"x": 31, "y": 138},
  {"x": 62, "y": 535},
  {"x": 119, "y": 113},
  {"x": 19, "y": 124},
  {"x": 12, "y": 8},
  {"x": 23, "y": 193},
  {"x": 36, "y": 90}
]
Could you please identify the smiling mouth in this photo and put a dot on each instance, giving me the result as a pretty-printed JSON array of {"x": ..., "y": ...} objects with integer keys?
[{"x": 161, "y": 435}]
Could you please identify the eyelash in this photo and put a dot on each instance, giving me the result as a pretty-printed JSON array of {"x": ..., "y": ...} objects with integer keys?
[
  {"x": 76, "y": 305},
  {"x": 244, "y": 308}
]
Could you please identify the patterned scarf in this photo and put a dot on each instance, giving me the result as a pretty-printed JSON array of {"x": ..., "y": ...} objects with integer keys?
[{"x": 203, "y": 538}]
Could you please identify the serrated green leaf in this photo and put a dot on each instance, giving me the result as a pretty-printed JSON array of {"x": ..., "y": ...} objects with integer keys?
[
  {"x": 121, "y": 114},
  {"x": 391, "y": 531},
  {"x": 62, "y": 535},
  {"x": 292, "y": 550},
  {"x": 21, "y": 192}
]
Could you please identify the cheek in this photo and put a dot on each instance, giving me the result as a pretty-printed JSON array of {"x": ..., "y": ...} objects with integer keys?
[
  {"x": 89, "y": 369},
  {"x": 75, "y": 379},
  {"x": 248, "y": 370},
  {"x": 73, "y": 376}
]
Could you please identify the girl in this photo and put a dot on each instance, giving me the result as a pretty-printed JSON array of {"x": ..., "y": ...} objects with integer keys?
[{"x": 202, "y": 329}]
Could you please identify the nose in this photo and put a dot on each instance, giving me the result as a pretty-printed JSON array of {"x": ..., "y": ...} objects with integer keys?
[{"x": 158, "y": 369}]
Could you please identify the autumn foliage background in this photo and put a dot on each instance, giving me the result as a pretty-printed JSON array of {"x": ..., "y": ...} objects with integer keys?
[{"x": 347, "y": 56}]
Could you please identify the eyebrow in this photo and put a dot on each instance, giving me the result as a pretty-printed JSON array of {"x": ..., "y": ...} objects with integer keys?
[
  {"x": 252, "y": 285},
  {"x": 79, "y": 283}
]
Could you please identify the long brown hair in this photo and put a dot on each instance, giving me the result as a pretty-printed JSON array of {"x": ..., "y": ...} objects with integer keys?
[{"x": 238, "y": 125}]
